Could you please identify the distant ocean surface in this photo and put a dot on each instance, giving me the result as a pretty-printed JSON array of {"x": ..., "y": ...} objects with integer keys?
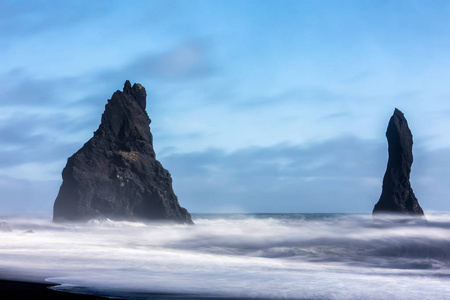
[{"x": 244, "y": 256}]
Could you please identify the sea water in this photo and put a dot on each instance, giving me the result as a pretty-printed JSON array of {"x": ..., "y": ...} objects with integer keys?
[{"x": 250, "y": 256}]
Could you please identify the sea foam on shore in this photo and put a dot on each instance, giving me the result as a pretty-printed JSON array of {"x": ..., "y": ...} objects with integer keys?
[{"x": 277, "y": 256}]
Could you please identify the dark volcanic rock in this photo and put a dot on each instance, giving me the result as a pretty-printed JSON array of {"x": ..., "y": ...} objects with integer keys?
[
  {"x": 115, "y": 174},
  {"x": 397, "y": 195}
]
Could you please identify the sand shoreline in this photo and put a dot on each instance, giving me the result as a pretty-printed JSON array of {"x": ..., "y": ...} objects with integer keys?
[
  {"x": 11, "y": 289},
  {"x": 31, "y": 290}
]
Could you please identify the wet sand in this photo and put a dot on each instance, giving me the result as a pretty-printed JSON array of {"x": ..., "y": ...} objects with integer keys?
[{"x": 30, "y": 290}]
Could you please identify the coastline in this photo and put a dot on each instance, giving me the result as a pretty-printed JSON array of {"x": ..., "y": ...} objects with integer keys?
[
  {"x": 244, "y": 256},
  {"x": 10, "y": 289},
  {"x": 31, "y": 290}
]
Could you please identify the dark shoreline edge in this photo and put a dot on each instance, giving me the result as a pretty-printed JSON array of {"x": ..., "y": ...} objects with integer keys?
[
  {"x": 30, "y": 290},
  {"x": 10, "y": 289}
]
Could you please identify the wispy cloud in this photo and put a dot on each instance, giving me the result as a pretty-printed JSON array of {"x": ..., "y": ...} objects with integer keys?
[
  {"x": 316, "y": 95},
  {"x": 19, "y": 18},
  {"x": 186, "y": 61},
  {"x": 282, "y": 178}
]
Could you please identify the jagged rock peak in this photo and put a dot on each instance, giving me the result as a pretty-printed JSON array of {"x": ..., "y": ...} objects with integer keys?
[
  {"x": 397, "y": 195},
  {"x": 115, "y": 174},
  {"x": 127, "y": 87},
  {"x": 137, "y": 92}
]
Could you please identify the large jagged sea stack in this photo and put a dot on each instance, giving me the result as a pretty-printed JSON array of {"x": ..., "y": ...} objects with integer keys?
[
  {"x": 115, "y": 174},
  {"x": 397, "y": 195}
]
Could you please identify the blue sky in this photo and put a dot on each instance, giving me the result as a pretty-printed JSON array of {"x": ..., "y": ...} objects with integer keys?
[{"x": 256, "y": 106}]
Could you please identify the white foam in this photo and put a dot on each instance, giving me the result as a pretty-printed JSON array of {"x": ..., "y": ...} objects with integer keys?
[{"x": 345, "y": 257}]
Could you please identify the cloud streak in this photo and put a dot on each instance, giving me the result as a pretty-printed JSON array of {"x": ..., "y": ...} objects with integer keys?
[
  {"x": 281, "y": 178},
  {"x": 185, "y": 61},
  {"x": 340, "y": 175},
  {"x": 28, "y": 18},
  {"x": 276, "y": 95}
]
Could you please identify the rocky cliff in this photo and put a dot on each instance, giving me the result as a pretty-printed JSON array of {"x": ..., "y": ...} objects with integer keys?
[
  {"x": 115, "y": 174},
  {"x": 397, "y": 195}
]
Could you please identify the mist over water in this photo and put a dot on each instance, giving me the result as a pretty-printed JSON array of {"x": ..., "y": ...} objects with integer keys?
[{"x": 276, "y": 256}]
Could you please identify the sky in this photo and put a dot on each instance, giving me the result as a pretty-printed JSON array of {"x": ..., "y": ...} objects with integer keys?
[{"x": 256, "y": 106}]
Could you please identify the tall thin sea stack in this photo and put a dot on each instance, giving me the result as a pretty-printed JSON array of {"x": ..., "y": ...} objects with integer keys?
[
  {"x": 397, "y": 195},
  {"x": 115, "y": 174}
]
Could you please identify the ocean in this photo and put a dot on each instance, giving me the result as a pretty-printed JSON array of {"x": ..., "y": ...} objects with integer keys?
[{"x": 237, "y": 256}]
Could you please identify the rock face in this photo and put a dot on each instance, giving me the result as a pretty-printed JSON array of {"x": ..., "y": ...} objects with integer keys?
[
  {"x": 397, "y": 195},
  {"x": 115, "y": 174}
]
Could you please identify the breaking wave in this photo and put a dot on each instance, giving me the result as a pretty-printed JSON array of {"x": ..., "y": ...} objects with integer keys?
[{"x": 260, "y": 256}]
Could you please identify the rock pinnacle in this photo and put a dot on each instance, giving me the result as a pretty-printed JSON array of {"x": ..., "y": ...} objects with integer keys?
[
  {"x": 115, "y": 174},
  {"x": 397, "y": 195}
]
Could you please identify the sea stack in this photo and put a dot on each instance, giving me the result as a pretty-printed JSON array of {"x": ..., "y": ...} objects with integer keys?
[
  {"x": 397, "y": 195},
  {"x": 115, "y": 174}
]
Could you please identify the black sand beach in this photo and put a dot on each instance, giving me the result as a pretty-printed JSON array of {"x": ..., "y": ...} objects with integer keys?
[{"x": 30, "y": 290}]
